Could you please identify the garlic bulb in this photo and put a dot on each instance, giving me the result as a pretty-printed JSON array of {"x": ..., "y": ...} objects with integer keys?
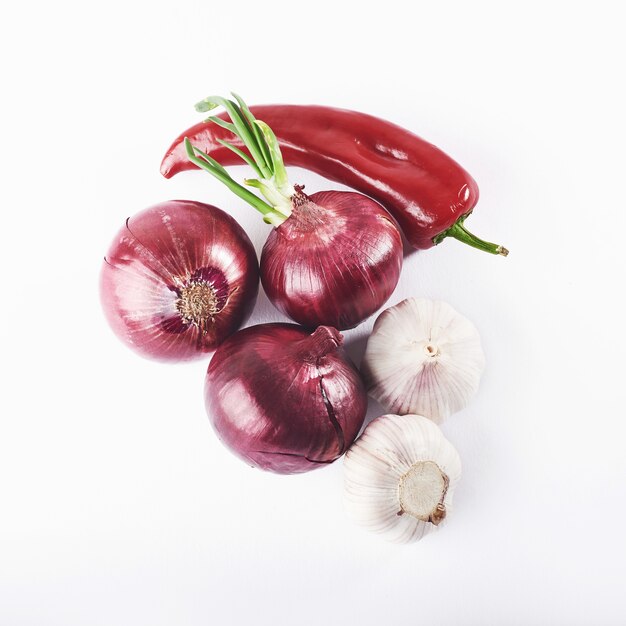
[
  {"x": 400, "y": 476},
  {"x": 423, "y": 357}
]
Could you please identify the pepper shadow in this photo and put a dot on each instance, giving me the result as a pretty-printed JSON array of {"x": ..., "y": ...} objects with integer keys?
[{"x": 407, "y": 249}]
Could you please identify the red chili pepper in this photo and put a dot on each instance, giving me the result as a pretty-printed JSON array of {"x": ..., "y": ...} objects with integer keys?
[{"x": 428, "y": 193}]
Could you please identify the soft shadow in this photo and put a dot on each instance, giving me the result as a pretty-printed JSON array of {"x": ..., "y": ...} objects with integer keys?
[
  {"x": 355, "y": 348},
  {"x": 407, "y": 249},
  {"x": 265, "y": 312},
  {"x": 374, "y": 410}
]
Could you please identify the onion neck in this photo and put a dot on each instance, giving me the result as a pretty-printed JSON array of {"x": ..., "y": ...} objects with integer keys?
[
  {"x": 299, "y": 198},
  {"x": 322, "y": 341}
]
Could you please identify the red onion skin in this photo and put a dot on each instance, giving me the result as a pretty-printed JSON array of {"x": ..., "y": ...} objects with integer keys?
[
  {"x": 335, "y": 261},
  {"x": 161, "y": 251},
  {"x": 285, "y": 400}
]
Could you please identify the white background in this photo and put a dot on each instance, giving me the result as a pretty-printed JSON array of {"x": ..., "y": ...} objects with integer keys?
[{"x": 118, "y": 504}]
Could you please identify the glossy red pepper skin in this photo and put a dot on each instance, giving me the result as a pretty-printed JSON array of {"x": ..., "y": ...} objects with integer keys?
[{"x": 422, "y": 187}]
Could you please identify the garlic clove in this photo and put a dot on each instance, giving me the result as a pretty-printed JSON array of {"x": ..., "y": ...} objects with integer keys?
[
  {"x": 423, "y": 357},
  {"x": 400, "y": 477}
]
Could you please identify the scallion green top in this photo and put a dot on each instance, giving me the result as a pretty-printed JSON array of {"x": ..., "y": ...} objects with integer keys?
[{"x": 265, "y": 159}]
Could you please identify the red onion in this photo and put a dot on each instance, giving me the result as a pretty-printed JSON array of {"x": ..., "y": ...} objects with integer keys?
[
  {"x": 178, "y": 279},
  {"x": 335, "y": 257},
  {"x": 334, "y": 261},
  {"x": 285, "y": 400}
]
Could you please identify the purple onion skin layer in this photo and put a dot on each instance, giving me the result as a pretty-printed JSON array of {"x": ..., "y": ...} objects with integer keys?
[
  {"x": 334, "y": 261},
  {"x": 160, "y": 262},
  {"x": 285, "y": 400}
]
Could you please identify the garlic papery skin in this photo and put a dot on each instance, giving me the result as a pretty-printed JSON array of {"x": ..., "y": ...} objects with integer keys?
[
  {"x": 400, "y": 477},
  {"x": 423, "y": 357}
]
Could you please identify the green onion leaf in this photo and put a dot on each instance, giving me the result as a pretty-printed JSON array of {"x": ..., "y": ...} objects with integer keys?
[
  {"x": 242, "y": 155},
  {"x": 202, "y": 160},
  {"x": 242, "y": 130},
  {"x": 205, "y": 105},
  {"x": 223, "y": 123},
  {"x": 259, "y": 136},
  {"x": 280, "y": 173}
]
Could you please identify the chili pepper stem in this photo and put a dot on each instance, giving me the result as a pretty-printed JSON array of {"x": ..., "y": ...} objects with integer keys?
[{"x": 458, "y": 231}]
